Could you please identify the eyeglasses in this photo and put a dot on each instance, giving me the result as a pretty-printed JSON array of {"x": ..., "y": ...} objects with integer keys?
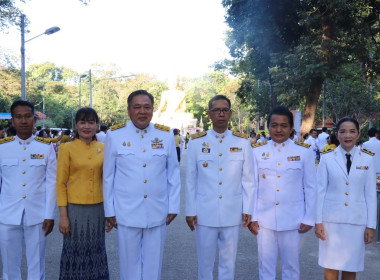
[{"x": 219, "y": 110}]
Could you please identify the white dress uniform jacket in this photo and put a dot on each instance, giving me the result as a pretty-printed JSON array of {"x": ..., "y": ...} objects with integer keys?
[
  {"x": 313, "y": 142},
  {"x": 322, "y": 140},
  {"x": 347, "y": 198},
  {"x": 285, "y": 193},
  {"x": 27, "y": 181},
  {"x": 373, "y": 145},
  {"x": 141, "y": 176},
  {"x": 219, "y": 181}
]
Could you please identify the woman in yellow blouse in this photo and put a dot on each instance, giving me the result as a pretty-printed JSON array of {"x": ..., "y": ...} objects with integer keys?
[{"x": 80, "y": 201}]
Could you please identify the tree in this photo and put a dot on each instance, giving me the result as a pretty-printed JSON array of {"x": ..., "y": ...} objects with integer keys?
[
  {"x": 200, "y": 90},
  {"x": 316, "y": 38}
]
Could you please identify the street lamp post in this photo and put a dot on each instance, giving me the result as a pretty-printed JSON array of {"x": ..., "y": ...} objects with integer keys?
[
  {"x": 80, "y": 85},
  {"x": 49, "y": 31}
]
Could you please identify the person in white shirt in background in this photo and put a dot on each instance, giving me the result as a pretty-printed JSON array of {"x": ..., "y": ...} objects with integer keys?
[
  {"x": 312, "y": 140},
  {"x": 181, "y": 143},
  {"x": 373, "y": 145},
  {"x": 322, "y": 138},
  {"x": 101, "y": 136}
]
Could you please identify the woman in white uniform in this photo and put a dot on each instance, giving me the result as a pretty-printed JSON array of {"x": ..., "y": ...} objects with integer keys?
[{"x": 346, "y": 208}]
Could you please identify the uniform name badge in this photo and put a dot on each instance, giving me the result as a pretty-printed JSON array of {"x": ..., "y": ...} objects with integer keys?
[
  {"x": 157, "y": 144},
  {"x": 235, "y": 149},
  {"x": 37, "y": 156},
  {"x": 294, "y": 158}
]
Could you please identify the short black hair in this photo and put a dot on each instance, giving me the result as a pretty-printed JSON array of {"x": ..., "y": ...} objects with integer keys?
[
  {"x": 22, "y": 103},
  {"x": 334, "y": 140},
  {"x": 219, "y": 97},
  {"x": 41, "y": 133},
  {"x": 86, "y": 114},
  {"x": 372, "y": 132},
  {"x": 11, "y": 131},
  {"x": 312, "y": 130},
  {"x": 282, "y": 111},
  {"x": 103, "y": 127},
  {"x": 67, "y": 132},
  {"x": 347, "y": 119},
  {"x": 38, "y": 127},
  {"x": 324, "y": 129},
  {"x": 1, "y": 127},
  {"x": 139, "y": 92}
]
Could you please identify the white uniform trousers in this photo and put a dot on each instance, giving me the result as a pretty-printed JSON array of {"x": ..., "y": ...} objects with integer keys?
[
  {"x": 270, "y": 243},
  {"x": 208, "y": 239},
  {"x": 11, "y": 242},
  {"x": 141, "y": 246}
]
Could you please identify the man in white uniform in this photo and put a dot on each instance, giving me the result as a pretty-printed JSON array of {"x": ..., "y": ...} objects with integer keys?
[
  {"x": 373, "y": 145},
  {"x": 322, "y": 138},
  {"x": 285, "y": 197},
  {"x": 27, "y": 195},
  {"x": 219, "y": 190},
  {"x": 141, "y": 188}
]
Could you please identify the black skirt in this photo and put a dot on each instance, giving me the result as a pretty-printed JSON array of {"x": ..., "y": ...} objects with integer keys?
[{"x": 84, "y": 252}]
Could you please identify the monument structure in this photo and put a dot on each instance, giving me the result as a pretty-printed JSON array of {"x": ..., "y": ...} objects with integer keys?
[{"x": 172, "y": 112}]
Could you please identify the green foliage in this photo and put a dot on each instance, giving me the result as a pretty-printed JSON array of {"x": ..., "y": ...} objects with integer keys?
[
  {"x": 47, "y": 123},
  {"x": 294, "y": 45},
  {"x": 348, "y": 94},
  {"x": 200, "y": 90}
]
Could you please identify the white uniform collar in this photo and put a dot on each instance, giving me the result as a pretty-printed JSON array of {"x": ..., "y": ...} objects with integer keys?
[
  {"x": 219, "y": 135},
  {"x": 343, "y": 152},
  {"x": 141, "y": 131},
  {"x": 24, "y": 142},
  {"x": 283, "y": 144}
]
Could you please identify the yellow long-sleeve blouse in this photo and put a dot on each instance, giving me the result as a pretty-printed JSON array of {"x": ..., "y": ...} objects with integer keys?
[{"x": 80, "y": 173}]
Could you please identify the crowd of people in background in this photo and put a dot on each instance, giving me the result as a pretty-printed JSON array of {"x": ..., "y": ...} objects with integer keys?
[{"x": 128, "y": 178}]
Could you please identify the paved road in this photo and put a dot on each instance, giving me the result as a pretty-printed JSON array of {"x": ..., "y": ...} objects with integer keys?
[{"x": 180, "y": 261}]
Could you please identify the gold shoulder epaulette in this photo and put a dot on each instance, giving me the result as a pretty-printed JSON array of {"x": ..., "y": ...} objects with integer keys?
[
  {"x": 198, "y": 135},
  {"x": 117, "y": 126},
  {"x": 327, "y": 151},
  {"x": 302, "y": 144},
  {"x": 42, "y": 140},
  {"x": 259, "y": 144},
  {"x": 241, "y": 135},
  {"x": 7, "y": 139},
  {"x": 367, "y": 152},
  {"x": 162, "y": 127}
]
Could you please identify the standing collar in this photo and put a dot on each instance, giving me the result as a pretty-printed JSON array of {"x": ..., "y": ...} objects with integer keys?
[
  {"x": 283, "y": 144},
  {"x": 24, "y": 142},
  {"x": 220, "y": 135},
  {"x": 138, "y": 130}
]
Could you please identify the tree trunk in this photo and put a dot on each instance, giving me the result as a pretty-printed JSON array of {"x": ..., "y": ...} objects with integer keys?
[
  {"x": 312, "y": 98},
  {"x": 314, "y": 92}
]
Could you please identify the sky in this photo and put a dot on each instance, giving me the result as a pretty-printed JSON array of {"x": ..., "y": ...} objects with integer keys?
[{"x": 165, "y": 38}]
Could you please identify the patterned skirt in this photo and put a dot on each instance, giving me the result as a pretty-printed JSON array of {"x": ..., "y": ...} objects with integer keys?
[{"x": 84, "y": 253}]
